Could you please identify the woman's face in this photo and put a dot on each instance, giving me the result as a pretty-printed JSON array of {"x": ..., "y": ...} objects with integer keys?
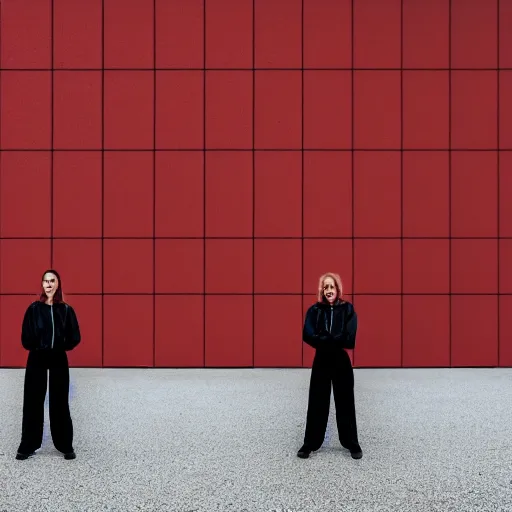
[
  {"x": 330, "y": 291},
  {"x": 50, "y": 284}
]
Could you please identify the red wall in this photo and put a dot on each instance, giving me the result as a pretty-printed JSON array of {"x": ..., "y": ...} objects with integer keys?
[{"x": 189, "y": 226}]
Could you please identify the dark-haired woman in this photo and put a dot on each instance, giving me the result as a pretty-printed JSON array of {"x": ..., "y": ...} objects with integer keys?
[
  {"x": 50, "y": 329},
  {"x": 330, "y": 327}
]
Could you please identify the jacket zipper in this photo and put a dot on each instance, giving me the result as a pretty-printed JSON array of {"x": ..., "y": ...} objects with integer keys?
[
  {"x": 53, "y": 325},
  {"x": 330, "y": 326}
]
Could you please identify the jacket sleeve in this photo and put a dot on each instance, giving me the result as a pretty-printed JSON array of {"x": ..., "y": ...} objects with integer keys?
[
  {"x": 348, "y": 337},
  {"x": 28, "y": 333},
  {"x": 73, "y": 336},
  {"x": 309, "y": 334}
]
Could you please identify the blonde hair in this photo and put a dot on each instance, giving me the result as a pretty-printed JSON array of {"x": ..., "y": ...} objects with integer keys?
[{"x": 337, "y": 281}]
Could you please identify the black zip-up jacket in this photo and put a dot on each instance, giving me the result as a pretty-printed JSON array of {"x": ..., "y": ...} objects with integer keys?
[
  {"x": 329, "y": 326},
  {"x": 50, "y": 327}
]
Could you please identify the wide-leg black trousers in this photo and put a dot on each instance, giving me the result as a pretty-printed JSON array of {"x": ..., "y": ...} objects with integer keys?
[
  {"x": 36, "y": 377},
  {"x": 331, "y": 368}
]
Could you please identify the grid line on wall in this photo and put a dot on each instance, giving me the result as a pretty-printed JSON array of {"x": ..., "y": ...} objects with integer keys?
[
  {"x": 204, "y": 184},
  {"x": 103, "y": 183},
  {"x": 154, "y": 183},
  {"x": 450, "y": 295},
  {"x": 401, "y": 183},
  {"x": 352, "y": 156},
  {"x": 498, "y": 241},
  {"x": 302, "y": 169},
  {"x": 261, "y": 150},
  {"x": 52, "y": 128},
  {"x": 253, "y": 143}
]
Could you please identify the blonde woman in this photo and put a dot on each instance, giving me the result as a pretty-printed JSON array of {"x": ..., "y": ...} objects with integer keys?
[{"x": 330, "y": 327}]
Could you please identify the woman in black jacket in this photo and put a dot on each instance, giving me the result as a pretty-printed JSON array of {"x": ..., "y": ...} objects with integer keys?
[
  {"x": 330, "y": 327},
  {"x": 50, "y": 328}
]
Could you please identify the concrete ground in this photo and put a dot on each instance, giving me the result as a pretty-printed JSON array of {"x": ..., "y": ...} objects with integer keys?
[{"x": 226, "y": 440}]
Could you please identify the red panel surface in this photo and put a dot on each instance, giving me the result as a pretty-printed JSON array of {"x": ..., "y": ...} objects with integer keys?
[
  {"x": 426, "y": 32},
  {"x": 179, "y": 34},
  {"x": 474, "y": 182},
  {"x": 377, "y": 266},
  {"x": 229, "y": 266},
  {"x": 22, "y": 265},
  {"x": 179, "y": 188},
  {"x": 77, "y": 110},
  {"x": 379, "y": 336},
  {"x": 179, "y": 266},
  {"x": 505, "y": 34},
  {"x": 277, "y": 266},
  {"x": 474, "y": 123},
  {"x": 77, "y": 184},
  {"x": 278, "y": 194},
  {"x": 327, "y": 109},
  {"x": 25, "y": 179},
  {"x": 474, "y": 330},
  {"x": 278, "y": 110},
  {"x": 26, "y": 34},
  {"x": 77, "y": 34},
  {"x": 128, "y": 34},
  {"x": 377, "y": 188},
  {"x": 377, "y": 34},
  {"x": 128, "y": 109},
  {"x": 88, "y": 309},
  {"x": 321, "y": 256},
  {"x": 128, "y": 266},
  {"x": 328, "y": 202},
  {"x": 474, "y": 266},
  {"x": 278, "y": 34},
  {"x": 327, "y": 34},
  {"x": 229, "y": 194},
  {"x": 179, "y": 110},
  {"x": 505, "y": 333},
  {"x": 229, "y": 331},
  {"x": 278, "y": 338},
  {"x": 474, "y": 27},
  {"x": 505, "y": 269},
  {"x": 426, "y": 336},
  {"x": 179, "y": 331},
  {"x": 229, "y": 33},
  {"x": 308, "y": 353},
  {"x": 79, "y": 263},
  {"x": 12, "y": 310},
  {"x": 505, "y": 113},
  {"x": 426, "y": 266},
  {"x": 128, "y": 194},
  {"x": 377, "y": 109},
  {"x": 505, "y": 193},
  {"x": 229, "y": 109},
  {"x": 25, "y": 114},
  {"x": 128, "y": 344},
  {"x": 426, "y": 194},
  {"x": 426, "y": 109}
]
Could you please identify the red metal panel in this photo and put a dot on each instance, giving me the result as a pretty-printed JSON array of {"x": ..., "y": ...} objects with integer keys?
[
  {"x": 377, "y": 194},
  {"x": 505, "y": 333},
  {"x": 505, "y": 113},
  {"x": 12, "y": 310},
  {"x": 277, "y": 266},
  {"x": 278, "y": 338},
  {"x": 229, "y": 33},
  {"x": 77, "y": 34},
  {"x": 77, "y": 188},
  {"x": 128, "y": 194},
  {"x": 474, "y": 26},
  {"x": 426, "y": 109},
  {"x": 328, "y": 215},
  {"x": 505, "y": 269},
  {"x": 327, "y": 109},
  {"x": 229, "y": 109},
  {"x": 505, "y": 31},
  {"x": 128, "y": 344},
  {"x": 229, "y": 331},
  {"x": 327, "y": 39},
  {"x": 377, "y": 119},
  {"x": 426, "y": 29},
  {"x": 25, "y": 184},
  {"x": 426, "y": 342},
  {"x": 179, "y": 331},
  {"x": 474, "y": 342},
  {"x": 505, "y": 193}
]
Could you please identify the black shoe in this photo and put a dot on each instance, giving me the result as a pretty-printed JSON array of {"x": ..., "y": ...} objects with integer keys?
[
  {"x": 23, "y": 456},
  {"x": 355, "y": 450},
  {"x": 304, "y": 452},
  {"x": 70, "y": 455}
]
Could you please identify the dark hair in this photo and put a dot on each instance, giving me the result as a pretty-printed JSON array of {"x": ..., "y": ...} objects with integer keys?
[{"x": 58, "y": 297}]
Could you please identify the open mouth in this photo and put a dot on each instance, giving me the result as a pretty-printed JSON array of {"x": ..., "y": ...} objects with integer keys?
[{"x": 330, "y": 295}]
